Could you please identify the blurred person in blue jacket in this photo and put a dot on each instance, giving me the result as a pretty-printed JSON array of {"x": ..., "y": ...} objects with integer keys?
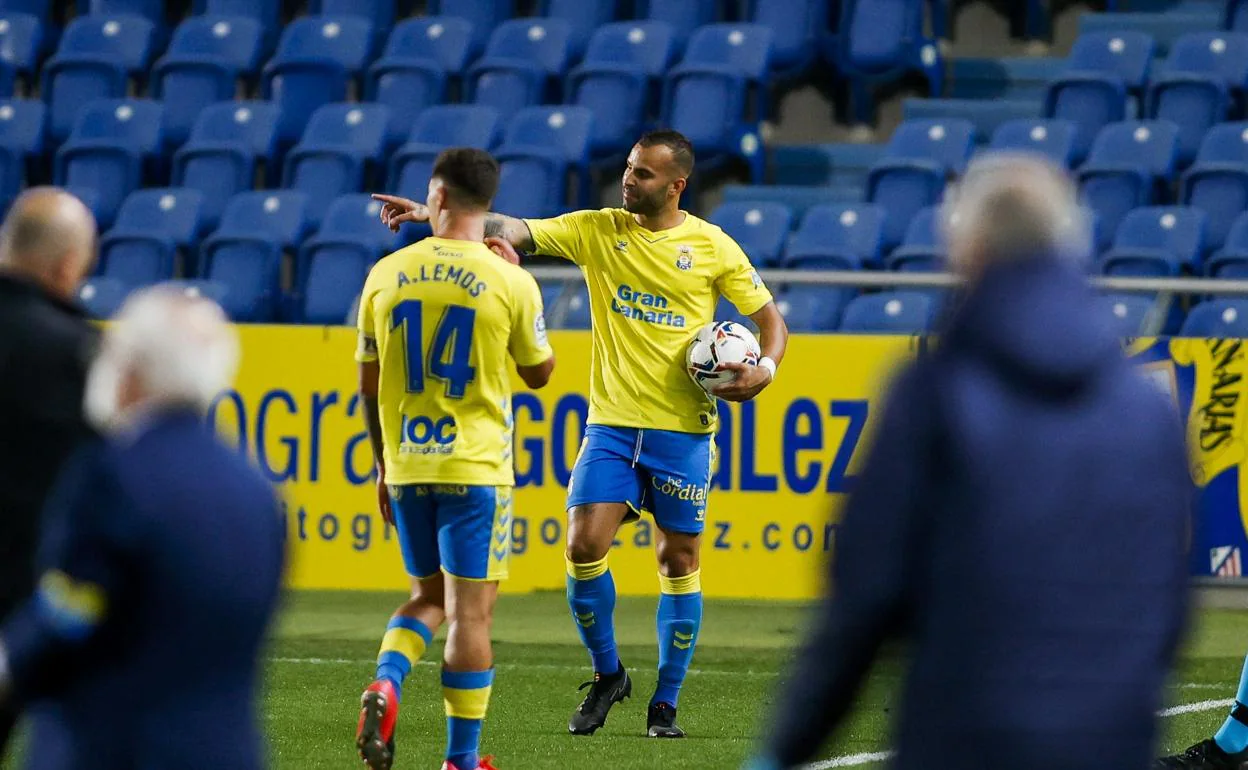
[
  {"x": 1022, "y": 519},
  {"x": 159, "y": 565}
]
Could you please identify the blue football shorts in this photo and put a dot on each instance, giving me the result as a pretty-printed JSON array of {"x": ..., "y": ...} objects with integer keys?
[
  {"x": 465, "y": 531},
  {"x": 664, "y": 473}
]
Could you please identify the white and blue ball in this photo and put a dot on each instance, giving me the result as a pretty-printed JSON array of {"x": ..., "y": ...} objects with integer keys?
[{"x": 716, "y": 344}]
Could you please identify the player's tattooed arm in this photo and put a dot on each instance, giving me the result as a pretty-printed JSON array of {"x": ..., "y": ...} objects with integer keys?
[{"x": 514, "y": 231}]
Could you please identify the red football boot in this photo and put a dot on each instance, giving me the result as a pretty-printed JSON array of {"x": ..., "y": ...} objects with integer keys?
[
  {"x": 485, "y": 763},
  {"x": 374, "y": 737}
]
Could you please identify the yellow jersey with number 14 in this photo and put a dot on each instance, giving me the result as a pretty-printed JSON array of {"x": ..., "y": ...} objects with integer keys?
[
  {"x": 649, "y": 293},
  {"x": 442, "y": 317}
]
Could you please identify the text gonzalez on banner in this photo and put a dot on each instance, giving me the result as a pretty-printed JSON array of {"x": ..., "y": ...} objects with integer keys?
[{"x": 286, "y": 434}]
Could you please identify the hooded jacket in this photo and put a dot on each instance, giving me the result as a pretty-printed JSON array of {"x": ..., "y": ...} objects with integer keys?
[{"x": 1022, "y": 520}]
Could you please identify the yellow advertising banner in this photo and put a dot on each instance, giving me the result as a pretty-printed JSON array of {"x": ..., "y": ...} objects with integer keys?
[{"x": 784, "y": 464}]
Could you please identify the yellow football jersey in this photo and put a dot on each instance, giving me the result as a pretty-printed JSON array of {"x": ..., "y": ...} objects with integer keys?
[
  {"x": 649, "y": 293},
  {"x": 442, "y": 316}
]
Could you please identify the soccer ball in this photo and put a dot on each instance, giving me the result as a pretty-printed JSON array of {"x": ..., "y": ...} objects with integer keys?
[{"x": 716, "y": 344}]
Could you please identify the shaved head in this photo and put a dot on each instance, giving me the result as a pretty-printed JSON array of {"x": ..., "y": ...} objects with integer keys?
[{"x": 49, "y": 236}]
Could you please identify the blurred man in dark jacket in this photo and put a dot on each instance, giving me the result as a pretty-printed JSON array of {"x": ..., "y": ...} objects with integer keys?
[
  {"x": 1022, "y": 518},
  {"x": 160, "y": 565},
  {"x": 47, "y": 246}
]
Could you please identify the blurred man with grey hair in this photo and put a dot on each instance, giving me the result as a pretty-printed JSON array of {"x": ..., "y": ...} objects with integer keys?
[
  {"x": 159, "y": 565},
  {"x": 1021, "y": 520},
  {"x": 47, "y": 246}
]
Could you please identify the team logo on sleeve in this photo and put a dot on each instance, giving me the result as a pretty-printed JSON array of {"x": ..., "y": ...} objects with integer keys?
[
  {"x": 685, "y": 260},
  {"x": 756, "y": 278},
  {"x": 539, "y": 329}
]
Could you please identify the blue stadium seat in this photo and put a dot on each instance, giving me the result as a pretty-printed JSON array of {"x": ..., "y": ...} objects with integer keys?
[
  {"x": 342, "y": 145},
  {"x": 986, "y": 115},
  {"x": 922, "y": 156},
  {"x": 793, "y": 24},
  {"x": 923, "y": 249},
  {"x": 894, "y": 312},
  {"x": 412, "y": 73},
  {"x": 334, "y": 263},
  {"x": 708, "y": 95},
  {"x": 245, "y": 253},
  {"x": 1129, "y": 314},
  {"x": 228, "y": 142},
  {"x": 584, "y": 16},
  {"x": 111, "y": 142},
  {"x": 1193, "y": 101},
  {"x": 101, "y": 297},
  {"x": 1157, "y": 241},
  {"x": 684, "y": 16},
  {"x": 443, "y": 40},
  {"x": 152, "y": 10},
  {"x": 22, "y": 39},
  {"x": 1165, "y": 29},
  {"x": 152, "y": 225},
  {"x": 21, "y": 139},
  {"x": 1052, "y": 139},
  {"x": 1092, "y": 93},
  {"x": 540, "y": 146},
  {"x": 315, "y": 59},
  {"x": 1217, "y": 318},
  {"x": 1237, "y": 15},
  {"x": 1125, "y": 54},
  {"x": 485, "y": 15},
  {"x": 40, "y": 9},
  {"x": 837, "y": 237},
  {"x": 523, "y": 60},
  {"x": 1231, "y": 261},
  {"x": 437, "y": 128},
  {"x": 812, "y": 309},
  {"x": 175, "y": 213},
  {"x": 759, "y": 228},
  {"x": 378, "y": 13},
  {"x": 576, "y": 313},
  {"x": 621, "y": 66},
  {"x": 1222, "y": 55},
  {"x": 1130, "y": 163},
  {"x": 551, "y": 292},
  {"x": 139, "y": 251},
  {"x": 1217, "y": 183},
  {"x": 202, "y": 67},
  {"x": 94, "y": 59},
  {"x": 882, "y": 41},
  {"x": 267, "y": 12},
  {"x": 216, "y": 291}
]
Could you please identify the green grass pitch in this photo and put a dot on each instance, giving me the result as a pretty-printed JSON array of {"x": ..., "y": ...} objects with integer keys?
[{"x": 322, "y": 652}]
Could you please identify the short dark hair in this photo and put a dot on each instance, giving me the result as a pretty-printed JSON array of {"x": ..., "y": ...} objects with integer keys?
[
  {"x": 470, "y": 176},
  {"x": 678, "y": 143}
]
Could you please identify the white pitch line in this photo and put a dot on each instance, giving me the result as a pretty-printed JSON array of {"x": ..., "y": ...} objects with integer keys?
[
  {"x": 849, "y": 760},
  {"x": 853, "y": 760},
  {"x": 1192, "y": 708}
]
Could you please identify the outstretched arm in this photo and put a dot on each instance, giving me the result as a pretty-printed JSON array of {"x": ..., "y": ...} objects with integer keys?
[
  {"x": 395, "y": 211},
  {"x": 514, "y": 231}
]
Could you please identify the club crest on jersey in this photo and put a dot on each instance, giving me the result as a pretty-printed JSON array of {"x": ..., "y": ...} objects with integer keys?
[
  {"x": 621, "y": 245},
  {"x": 685, "y": 260}
]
